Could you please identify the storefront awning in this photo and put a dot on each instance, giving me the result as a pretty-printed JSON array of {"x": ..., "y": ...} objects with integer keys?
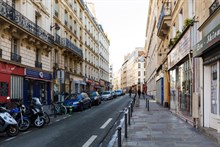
[
  {"x": 39, "y": 79},
  {"x": 207, "y": 42}
]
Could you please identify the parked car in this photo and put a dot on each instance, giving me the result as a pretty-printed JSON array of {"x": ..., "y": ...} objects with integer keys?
[
  {"x": 77, "y": 101},
  {"x": 114, "y": 94},
  {"x": 106, "y": 95},
  {"x": 119, "y": 92},
  {"x": 95, "y": 98}
]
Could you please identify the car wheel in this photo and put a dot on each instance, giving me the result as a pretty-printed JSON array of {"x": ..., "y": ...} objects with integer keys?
[
  {"x": 81, "y": 107},
  {"x": 90, "y": 105}
]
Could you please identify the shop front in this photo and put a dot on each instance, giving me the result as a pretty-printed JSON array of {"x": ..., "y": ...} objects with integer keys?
[
  {"x": 11, "y": 81},
  {"x": 97, "y": 87},
  {"x": 78, "y": 85},
  {"x": 37, "y": 84},
  {"x": 209, "y": 50},
  {"x": 180, "y": 71},
  {"x": 102, "y": 84}
]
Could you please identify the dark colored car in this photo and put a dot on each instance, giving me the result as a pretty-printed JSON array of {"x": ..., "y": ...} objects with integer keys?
[
  {"x": 77, "y": 101},
  {"x": 95, "y": 98}
]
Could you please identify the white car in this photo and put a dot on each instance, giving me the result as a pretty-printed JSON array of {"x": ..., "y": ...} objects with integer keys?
[{"x": 106, "y": 95}]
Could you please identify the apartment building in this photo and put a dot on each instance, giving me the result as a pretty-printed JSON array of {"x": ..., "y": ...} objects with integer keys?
[
  {"x": 25, "y": 49},
  {"x": 151, "y": 45},
  {"x": 133, "y": 70},
  {"x": 176, "y": 34},
  {"x": 48, "y": 48}
]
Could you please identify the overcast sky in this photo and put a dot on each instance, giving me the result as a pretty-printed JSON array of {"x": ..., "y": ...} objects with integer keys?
[{"x": 125, "y": 23}]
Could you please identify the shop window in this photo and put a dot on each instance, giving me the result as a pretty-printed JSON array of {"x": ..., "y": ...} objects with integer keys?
[
  {"x": 3, "y": 89},
  {"x": 214, "y": 88},
  {"x": 16, "y": 81}
]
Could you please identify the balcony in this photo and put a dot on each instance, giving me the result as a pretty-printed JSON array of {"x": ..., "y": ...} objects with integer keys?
[
  {"x": 0, "y": 53},
  {"x": 68, "y": 44},
  {"x": 215, "y": 5},
  {"x": 164, "y": 20},
  {"x": 38, "y": 64},
  {"x": 57, "y": 39},
  {"x": 15, "y": 57},
  {"x": 20, "y": 20}
]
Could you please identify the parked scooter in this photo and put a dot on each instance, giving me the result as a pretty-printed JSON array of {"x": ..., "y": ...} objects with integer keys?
[
  {"x": 36, "y": 114},
  {"x": 7, "y": 123}
]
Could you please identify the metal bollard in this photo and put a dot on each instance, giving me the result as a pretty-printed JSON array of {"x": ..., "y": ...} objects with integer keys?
[
  {"x": 148, "y": 106},
  {"x": 119, "y": 136},
  {"x": 146, "y": 103},
  {"x": 129, "y": 115},
  {"x": 126, "y": 119}
]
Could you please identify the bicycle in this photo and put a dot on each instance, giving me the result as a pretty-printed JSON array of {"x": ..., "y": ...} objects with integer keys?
[{"x": 59, "y": 108}]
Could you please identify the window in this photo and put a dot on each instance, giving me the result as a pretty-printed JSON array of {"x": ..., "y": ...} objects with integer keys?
[
  {"x": 139, "y": 73},
  {"x": 14, "y": 45},
  {"x": 214, "y": 88},
  {"x": 174, "y": 31},
  {"x": 3, "y": 89},
  {"x": 181, "y": 20},
  {"x": 37, "y": 55},
  {"x": 16, "y": 81},
  {"x": 139, "y": 65}
]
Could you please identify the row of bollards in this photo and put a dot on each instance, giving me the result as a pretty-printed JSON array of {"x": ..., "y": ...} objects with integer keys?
[{"x": 127, "y": 115}]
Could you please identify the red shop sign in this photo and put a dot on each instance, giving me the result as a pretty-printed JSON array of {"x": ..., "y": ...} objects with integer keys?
[{"x": 11, "y": 69}]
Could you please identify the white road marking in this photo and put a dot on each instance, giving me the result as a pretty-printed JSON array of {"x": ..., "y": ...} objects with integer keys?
[
  {"x": 58, "y": 120},
  {"x": 26, "y": 132},
  {"x": 9, "y": 138},
  {"x": 91, "y": 139},
  {"x": 106, "y": 123}
]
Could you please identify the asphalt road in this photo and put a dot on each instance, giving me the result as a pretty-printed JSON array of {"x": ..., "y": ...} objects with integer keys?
[{"x": 82, "y": 129}]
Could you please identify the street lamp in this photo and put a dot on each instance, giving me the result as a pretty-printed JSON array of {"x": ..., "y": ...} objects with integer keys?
[{"x": 56, "y": 26}]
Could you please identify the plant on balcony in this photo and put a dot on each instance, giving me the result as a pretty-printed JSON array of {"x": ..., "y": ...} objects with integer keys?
[
  {"x": 175, "y": 39},
  {"x": 187, "y": 22}
]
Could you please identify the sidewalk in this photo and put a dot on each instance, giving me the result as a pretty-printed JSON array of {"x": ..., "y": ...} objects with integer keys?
[{"x": 160, "y": 128}]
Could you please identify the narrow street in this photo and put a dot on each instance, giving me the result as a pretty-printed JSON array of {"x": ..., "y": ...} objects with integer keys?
[{"x": 87, "y": 128}]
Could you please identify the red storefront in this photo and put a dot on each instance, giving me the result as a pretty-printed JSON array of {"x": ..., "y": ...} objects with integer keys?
[{"x": 11, "y": 81}]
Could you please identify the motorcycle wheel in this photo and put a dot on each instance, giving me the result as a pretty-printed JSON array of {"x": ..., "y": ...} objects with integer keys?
[
  {"x": 23, "y": 126},
  {"x": 12, "y": 130},
  {"x": 39, "y": 122}
]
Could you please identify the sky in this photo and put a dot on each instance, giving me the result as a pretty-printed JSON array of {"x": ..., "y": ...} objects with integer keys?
[{"x": 125, "y": 23}]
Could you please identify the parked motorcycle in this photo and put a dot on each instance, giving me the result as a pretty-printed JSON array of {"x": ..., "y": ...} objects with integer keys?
[
  {"x": 18, "y": 114},
  {"x": 36, "y": 113},
  {"x": 7, "y": 123}
]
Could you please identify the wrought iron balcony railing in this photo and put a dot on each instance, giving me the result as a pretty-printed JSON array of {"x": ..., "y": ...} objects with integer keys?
[
  {"x": 15, "y": 57},
  {"x": 0, "y": 53},
  {"x": 17, "y": 18},
  {"x": 57, "y": 39},
  {"x": 165, "y": 11},
  {"x": 215, "y": 5},
  {"x": 38, "y": 64},
  {"x": 67, "y": 43}
]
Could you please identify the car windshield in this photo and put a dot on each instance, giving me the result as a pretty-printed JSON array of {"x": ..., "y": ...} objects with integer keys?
[
  {"x": 72, "y": 96},
  {"x": 93, "y": 94},
  {"x": 106, "y": 92}
]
